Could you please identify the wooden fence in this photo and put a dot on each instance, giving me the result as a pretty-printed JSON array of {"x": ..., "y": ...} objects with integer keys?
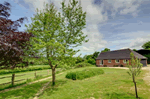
[{"x": 35, "y": 75}]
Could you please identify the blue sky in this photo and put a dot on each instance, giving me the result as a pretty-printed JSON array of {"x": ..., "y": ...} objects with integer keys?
[{"x": 113, "y": 24}]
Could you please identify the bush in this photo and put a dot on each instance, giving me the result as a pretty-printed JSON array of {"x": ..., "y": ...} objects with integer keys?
[
  {"x": 115, "y": 65},
  {"x": 91, "y": 61},
  {"x": 105, "y": 65},
  {"x": 121, "y": 65},
  {"x": 86, "y": 73}
]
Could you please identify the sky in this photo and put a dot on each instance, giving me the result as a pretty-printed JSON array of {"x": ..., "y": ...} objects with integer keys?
[{"x": 113, "y": 24}]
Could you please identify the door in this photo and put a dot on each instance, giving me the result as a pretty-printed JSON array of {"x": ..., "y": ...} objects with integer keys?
[
  {"x": 143, "y": 61},
  {"x": 102, "y": 62}
]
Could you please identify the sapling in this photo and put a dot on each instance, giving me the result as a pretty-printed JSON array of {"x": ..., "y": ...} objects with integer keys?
[{"x": 134, "y": 69}]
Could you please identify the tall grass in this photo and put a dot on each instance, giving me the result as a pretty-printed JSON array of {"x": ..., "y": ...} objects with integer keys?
[{"x": 86, "y": 73}]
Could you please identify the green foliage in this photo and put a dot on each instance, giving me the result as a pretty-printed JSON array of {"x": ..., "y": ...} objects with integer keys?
[
  {"x": 115, "y": 66},
  {"x": 79, "y": 60},
  {"x": 39, "y": 61},
  {"x": 17, "y": 70},
  {"x": 105, "y": 50},
  {"x": 121, "y": 65},
  {"x": 148, "y": 56},
  {"x": 86, "y": 73},
  {"x": 105, "y": 65},
  {"x": 135, "y": 67},
  {"x": 56, "y": 34},
  {"x": 134, "y": 50},
  {"x": 146, "y": 45},
  {"x": 83, "y": 64},
  {"x": 95, "y": 55},
  {"x": 91, "y": 61},
  {"x": 89, "y": 57}
]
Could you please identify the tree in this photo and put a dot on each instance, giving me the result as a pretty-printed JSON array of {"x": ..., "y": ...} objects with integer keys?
[
  {"x": 91, "y": 61},
  {"x": 105, "y": 50},
  {"x": 95, "y": 55},
  {"x": 89, "y": 56},
  {"x": 13, "y": 44},
  {"x": 79, "y": 60},
  {"x": 134, "y": 50},
  {"x": 56, "y": 35},
  {"x": 134, "y": 69},
  {"x": 146, "y": 45}
]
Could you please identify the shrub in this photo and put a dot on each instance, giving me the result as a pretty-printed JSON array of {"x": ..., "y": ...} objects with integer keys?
[
  {"x": 105, "y": 65},
  {"x": 86, "y": 73},
  {"x": 91, "y": 61},
  {"x": 121, "y": 65},
  {"x": 115, "y": 65}
]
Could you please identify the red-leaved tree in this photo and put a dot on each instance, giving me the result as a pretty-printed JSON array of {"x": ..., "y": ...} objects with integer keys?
[{"x": 14, "y": 45}]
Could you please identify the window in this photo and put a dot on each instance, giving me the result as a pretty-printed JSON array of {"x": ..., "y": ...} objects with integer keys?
[
  {"x": 101, "y": 62},
  {"x": 109, "y": 61},
  {"x": 117, "y": 61},
  {"x": 125, "y": 60}
]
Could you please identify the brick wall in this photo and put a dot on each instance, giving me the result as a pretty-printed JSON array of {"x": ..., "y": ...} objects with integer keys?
[{"x": 105, "y": 62}]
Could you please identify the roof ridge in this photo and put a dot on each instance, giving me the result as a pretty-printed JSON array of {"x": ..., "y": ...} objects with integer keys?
[
  {"x": 116, "y": 50},
  {"x": 120, "y": 49},
  {"x": 137, "y": 53},
  {"x": 143, "y": 49}
]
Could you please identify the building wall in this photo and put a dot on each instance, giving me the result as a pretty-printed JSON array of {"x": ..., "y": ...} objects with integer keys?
[{"x": 105, "y": 62}]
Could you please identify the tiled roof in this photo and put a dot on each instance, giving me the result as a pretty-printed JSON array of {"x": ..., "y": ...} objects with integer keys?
[{"x": 119, "y": 54}]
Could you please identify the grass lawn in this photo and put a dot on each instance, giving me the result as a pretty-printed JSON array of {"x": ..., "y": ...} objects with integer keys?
[
  {"x": 30, "y": 75},
  {"x": 114, "y": 84}
]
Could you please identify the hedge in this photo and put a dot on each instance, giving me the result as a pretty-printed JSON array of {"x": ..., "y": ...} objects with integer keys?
[
  {"x": 17, "y": 70},
  {"x": 86, "y": 73}
]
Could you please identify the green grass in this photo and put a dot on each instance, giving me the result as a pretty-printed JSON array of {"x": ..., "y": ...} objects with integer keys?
[
  {"x": 28, "y": 78},
  {"x": 113, "y": 84}
]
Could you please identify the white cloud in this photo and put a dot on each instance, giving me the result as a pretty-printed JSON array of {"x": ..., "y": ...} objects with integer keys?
[
  {"x": 126, "y": 6},
  {"x": 96, "y": 41},
  {"x": 95, "y": 16},
  {"x": 137, "y": 41}
]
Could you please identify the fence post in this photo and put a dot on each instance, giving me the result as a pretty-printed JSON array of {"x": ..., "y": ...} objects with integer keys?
[{"x": 35, "y": 74}]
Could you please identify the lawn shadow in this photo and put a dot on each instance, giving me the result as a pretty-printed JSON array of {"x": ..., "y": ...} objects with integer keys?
[
  {"x": 23, "y": 92},
  {"x": 117, "y": 95},
  {"x": 50, "y": 89}
]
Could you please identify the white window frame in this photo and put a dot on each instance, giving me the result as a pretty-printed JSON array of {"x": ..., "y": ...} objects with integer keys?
[
  {"x": 101, "y": 62},
  {"x": 116, "y": 61},
  {"x": 125, "y": 61},
  {"x": 109, "y": 61}
]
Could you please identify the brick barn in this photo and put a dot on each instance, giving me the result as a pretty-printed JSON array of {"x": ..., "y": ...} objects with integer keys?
[{"x": 118, "y": 57}]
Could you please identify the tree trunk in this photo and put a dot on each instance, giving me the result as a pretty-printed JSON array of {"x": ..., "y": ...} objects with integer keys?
[
  {"x": 136, "y": 90},
  {"x": 135, "y": 87},
  {"x": 12, "y": 80},
  {"x": 53, "y": 76}
]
